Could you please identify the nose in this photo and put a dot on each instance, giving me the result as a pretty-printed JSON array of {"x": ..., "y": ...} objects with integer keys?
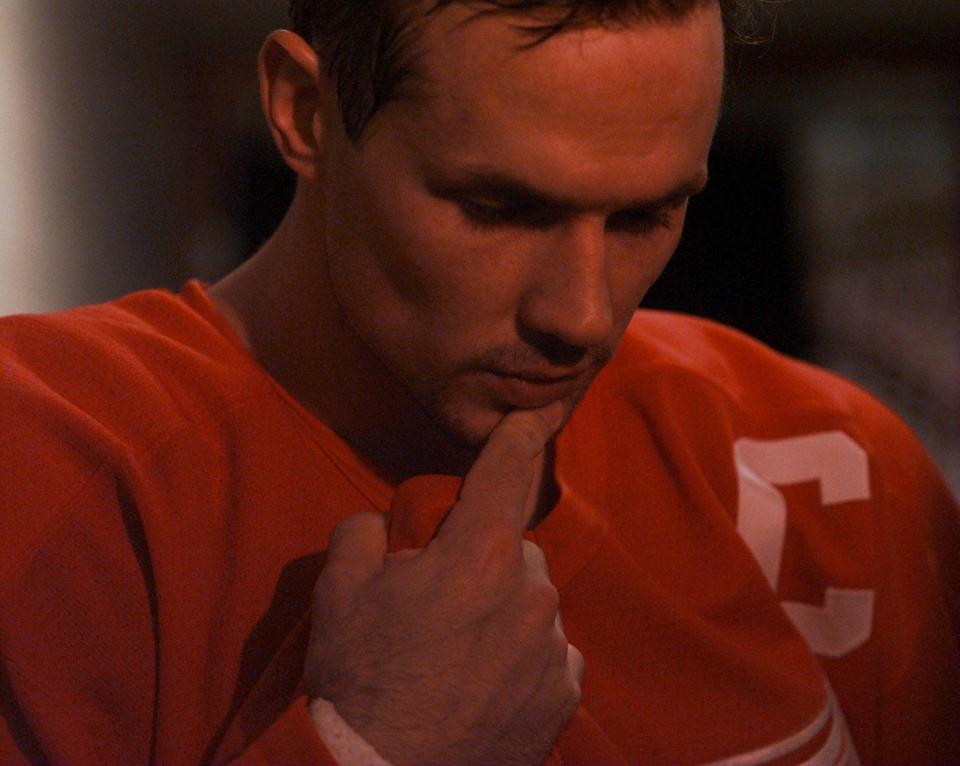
[{"x": 568, "y": 300}]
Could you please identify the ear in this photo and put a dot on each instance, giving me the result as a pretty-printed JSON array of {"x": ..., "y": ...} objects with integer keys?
[{"x": 294, "y": 95}]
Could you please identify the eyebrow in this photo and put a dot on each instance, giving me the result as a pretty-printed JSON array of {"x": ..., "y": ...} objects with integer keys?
[{"x": 494, "y": 185}]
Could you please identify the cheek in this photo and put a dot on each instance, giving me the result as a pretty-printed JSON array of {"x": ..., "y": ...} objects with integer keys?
[
  {"x": 433, "y": 260},
  {"x": 635, "y": 268},
  {"x": 412, "y": 272}
]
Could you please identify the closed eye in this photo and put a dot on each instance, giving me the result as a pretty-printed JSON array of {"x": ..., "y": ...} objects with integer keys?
[
  {"x": 489, "y": 199},
  {"x": 643, "y": 220},
  {"x": 635, "y": 221},
  {"x": 491, "y": 216}
]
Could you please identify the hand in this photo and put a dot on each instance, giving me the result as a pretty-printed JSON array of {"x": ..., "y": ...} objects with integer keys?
[{"x": 453, "y": 654}]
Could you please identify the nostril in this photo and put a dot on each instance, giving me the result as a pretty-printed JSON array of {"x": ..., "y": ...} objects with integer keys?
[{"x": 557, "y": 352}]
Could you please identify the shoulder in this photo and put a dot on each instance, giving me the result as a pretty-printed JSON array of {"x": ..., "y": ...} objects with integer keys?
[
  {"x": 722, "y": 398},
  {"x": 740, "y": 368},
  {"x": 757, "y": 389},
  {"x": 85, "y": 393},
  {"x": 827, "y": 489},
  {"x": 127, "y": 369}
]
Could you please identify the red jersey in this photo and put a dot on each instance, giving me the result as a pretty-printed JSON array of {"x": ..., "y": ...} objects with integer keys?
[{"x": 757, "y": 560}]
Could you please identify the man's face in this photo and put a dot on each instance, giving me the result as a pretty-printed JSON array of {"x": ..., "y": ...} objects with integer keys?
[{"x": 490, "y": 240}]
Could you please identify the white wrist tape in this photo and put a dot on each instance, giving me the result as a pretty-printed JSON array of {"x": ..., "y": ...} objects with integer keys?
[{"x": 344, "y": 744}]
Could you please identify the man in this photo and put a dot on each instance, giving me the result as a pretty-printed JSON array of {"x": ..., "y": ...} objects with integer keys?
[{"x": 239, "y": 530}]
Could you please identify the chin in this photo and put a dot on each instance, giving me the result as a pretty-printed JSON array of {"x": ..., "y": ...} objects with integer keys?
[
  {"x": 471, "y": 426},
  {"x": 467, "y": 416}
]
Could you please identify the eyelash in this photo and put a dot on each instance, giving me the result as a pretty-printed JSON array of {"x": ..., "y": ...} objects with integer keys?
[
  {"x": 630, "y": 222},
  {"x": 492, "y": 217},
  {"x": 644, "y": 222}
]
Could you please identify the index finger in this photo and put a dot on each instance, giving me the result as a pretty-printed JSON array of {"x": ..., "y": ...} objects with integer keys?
[{"x": 496, "y": 487}]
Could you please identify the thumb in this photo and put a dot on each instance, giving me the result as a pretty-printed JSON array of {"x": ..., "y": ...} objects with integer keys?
[{"x": 355, "y": 551}]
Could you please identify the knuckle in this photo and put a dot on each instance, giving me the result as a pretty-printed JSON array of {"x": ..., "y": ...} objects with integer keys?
[
  {"x": 535, "y": 557},
  {"x": 572, "y": 676},
  {"x": 575, "y": 662},
  {"x": 497, "y": 552},
  {"x": 540, "y": 605},
  {"x": 488, "y": 570},
  {"x": 574, "y": 689}
]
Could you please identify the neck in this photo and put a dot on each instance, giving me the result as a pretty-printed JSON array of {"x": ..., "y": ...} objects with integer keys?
[{"x": 281, "y": 305}]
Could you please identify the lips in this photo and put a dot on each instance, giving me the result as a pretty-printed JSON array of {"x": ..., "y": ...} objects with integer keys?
[{"x": 522, "y": 391}]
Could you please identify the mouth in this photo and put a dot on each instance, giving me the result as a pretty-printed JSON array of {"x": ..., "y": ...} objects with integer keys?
[{"x": 522, "y": 390}]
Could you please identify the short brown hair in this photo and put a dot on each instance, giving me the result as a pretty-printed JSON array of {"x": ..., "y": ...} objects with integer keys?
[{"x": 369, "y": 45}]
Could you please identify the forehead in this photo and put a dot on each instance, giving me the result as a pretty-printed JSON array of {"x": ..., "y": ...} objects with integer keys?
[{"x": 638, "y": 100}]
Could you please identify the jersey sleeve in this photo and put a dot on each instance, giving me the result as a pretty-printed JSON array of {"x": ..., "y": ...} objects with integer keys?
[
  {"x": 78, "y": 658},
  {"x": 843, "y": 509},
  {"x": 918, "y": 606},
  {"x": 76, "y": 641}
]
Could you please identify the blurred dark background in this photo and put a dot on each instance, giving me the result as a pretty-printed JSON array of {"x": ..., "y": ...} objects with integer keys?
[{"x": 132, "y": 154}]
